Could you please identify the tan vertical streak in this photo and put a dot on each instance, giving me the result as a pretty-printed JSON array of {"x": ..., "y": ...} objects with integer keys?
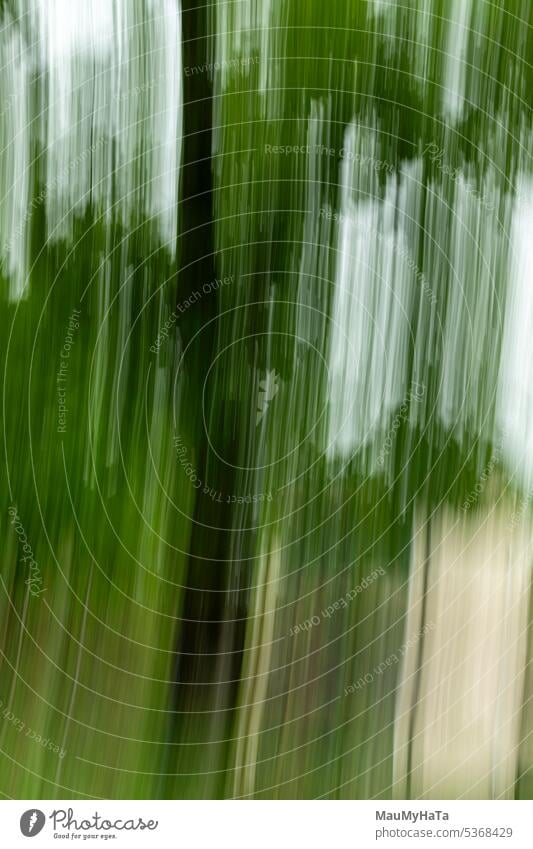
[{"x": 255, "y": 673}]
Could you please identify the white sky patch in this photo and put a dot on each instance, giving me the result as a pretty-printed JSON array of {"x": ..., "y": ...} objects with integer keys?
[
  {"x": 71, "y": 27},
  {"x": 455, "y": 73},
  {"x": 515, "y": 397},
  {"x": 110, "y": 128},
  {"x": 373, "y": 289},
  {"x": 14, "y": 157},
  {"x": 244, "y": 34}
]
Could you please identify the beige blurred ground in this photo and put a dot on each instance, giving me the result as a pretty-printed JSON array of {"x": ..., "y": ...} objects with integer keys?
[{"x": 460, "y": 715}]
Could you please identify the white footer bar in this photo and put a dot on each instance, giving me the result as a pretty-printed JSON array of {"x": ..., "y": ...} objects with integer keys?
[{"x": 267, "y": 824}]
